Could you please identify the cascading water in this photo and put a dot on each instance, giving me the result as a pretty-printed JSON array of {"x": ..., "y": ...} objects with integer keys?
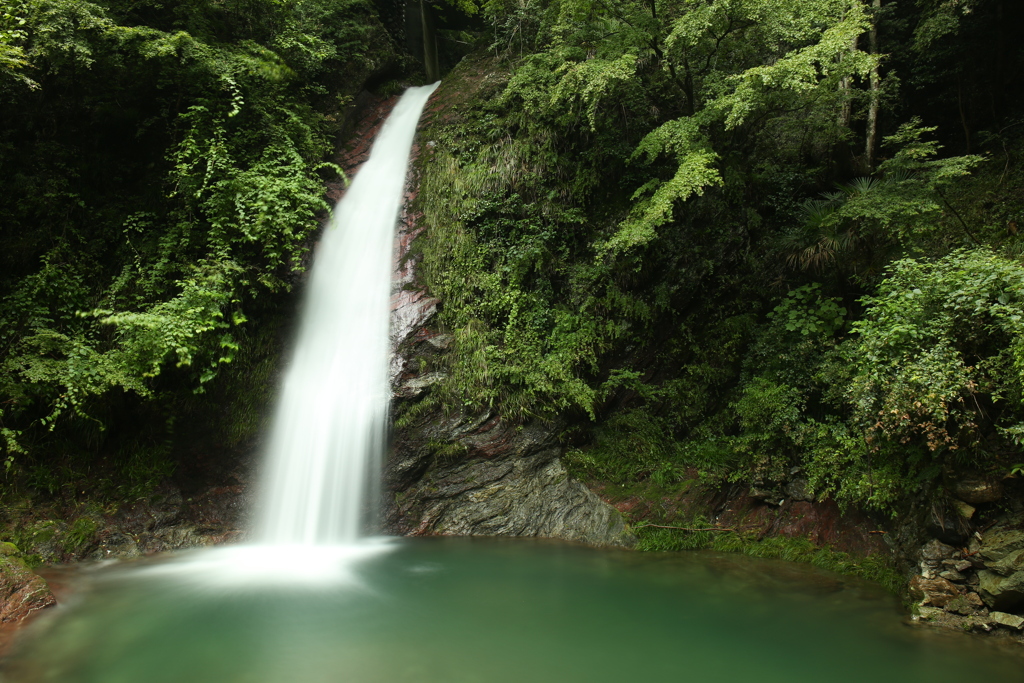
[{"x": 328, "y": 433}]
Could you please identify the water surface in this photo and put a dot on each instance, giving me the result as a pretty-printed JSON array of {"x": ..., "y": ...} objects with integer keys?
[{"x": 497, "y": 611}]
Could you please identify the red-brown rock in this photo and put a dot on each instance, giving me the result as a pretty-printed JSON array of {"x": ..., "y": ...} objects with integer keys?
[
  {"x": 934, "y": 592},
  {"x": 22, "y": 592}
]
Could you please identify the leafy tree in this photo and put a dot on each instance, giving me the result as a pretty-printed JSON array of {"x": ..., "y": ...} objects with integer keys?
[{"x": 939, "y": 352}]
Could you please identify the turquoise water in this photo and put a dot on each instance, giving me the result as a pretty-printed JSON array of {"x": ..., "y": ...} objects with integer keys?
[{"x": 496, "y": 611}]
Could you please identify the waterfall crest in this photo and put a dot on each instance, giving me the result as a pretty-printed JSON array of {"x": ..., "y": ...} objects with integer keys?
[{"x": 328, "y": 432}]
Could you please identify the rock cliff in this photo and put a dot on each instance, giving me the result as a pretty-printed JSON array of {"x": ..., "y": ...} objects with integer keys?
[{"x": 470, "y": 474}]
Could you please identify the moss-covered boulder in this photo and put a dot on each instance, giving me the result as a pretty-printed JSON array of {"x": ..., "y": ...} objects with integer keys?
[{"x": 21, "y": 590}]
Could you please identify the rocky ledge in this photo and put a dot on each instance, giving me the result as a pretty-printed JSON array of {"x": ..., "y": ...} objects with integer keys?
[
  {"x": 175, "y": 516},
  {"x": 485, "y": 477},
  {"x": 172, "y": 517},
  {"x": 475, "y": 475}
]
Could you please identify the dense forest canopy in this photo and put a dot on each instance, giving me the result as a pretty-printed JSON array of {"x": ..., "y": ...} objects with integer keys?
[{"x": 740, "y": 236}]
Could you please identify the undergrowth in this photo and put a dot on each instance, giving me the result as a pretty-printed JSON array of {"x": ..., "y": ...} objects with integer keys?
[{"x": 876, "y": 568}]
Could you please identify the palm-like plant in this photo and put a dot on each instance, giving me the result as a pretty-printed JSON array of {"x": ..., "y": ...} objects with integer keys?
[{"x": 838, "y": 224}]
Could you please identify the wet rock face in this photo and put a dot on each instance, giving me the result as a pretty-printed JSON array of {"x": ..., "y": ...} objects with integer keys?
[
  {"x": 1001, "y": 592},
  {"x": 170, "y": 520},
  {"x": 497, "y": 479},
  {"x": 1008, "y": 620},
  {"x": 480, "y": 475},
  {"x": 933, "y": 553},
  {"x": 22, "y": 592},
  {"x": 463, "y": 474},
  {"x": 998, "y": 543},
  {"x": 798, "y": 488},
  {"x": 946, "y": 590},
  {"x": 945, "y": 522},
  {"x": 166, "y": 519}
]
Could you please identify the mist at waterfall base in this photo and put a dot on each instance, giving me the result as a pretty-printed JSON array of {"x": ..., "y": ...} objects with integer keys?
[{"x": 311, "y": 601}]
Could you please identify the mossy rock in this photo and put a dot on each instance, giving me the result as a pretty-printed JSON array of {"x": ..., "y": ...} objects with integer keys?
[{"x": 44, "y": 540}]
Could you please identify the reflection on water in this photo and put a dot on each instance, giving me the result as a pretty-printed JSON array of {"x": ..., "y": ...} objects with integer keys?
[{"x": 496, "y": 611}]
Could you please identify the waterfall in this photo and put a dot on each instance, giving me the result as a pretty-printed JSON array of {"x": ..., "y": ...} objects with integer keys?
[
  {"x": 327, "y": 435},
  {"x": 328, "y": 432}
]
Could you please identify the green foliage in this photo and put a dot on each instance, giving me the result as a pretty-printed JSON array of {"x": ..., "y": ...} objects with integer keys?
[
  {"x": 655, "y": 217},
  {"x": 503, "y": 252},
  {"x": 840, "y": 463},
  {"x": 768, "y": 414},
  {"x": 12, "y": 56},
  {"x": 805, "y": 311},
  {"x": 916, "y": 179},
  {"x": 700, "y": 536},
  {"x": 615, "y": 197},
  {"x": 629, "y": 446},
  {"x": 165, "y": 169},
  {"x": 543, "y": 275},
  {"x": 79, "y": 533},
  {"x": 729, "y": 62},
  {"x": 653, "y": 539},
  {"x": 930, "y": 378},
  {"x": 940, "y": 19},
  {"x": 681, "y": 139},
  {"x": 447, "y": 451},
  {"x": 939, "y": 340},
  {"x": 860, "y": 225}
]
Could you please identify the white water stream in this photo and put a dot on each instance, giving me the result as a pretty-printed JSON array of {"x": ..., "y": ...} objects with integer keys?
[
  {"x": 327, "y": 436},
  {"x": 326, "y": 441}
]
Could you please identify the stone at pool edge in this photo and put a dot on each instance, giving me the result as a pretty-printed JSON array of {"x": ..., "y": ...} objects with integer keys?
[
  {"x": 22, "y": 591},
  {"x": 1003, "y": 593},
  {"x": 1009, "y": 564},
  {"x": 1007, "y": 620},
  {"x": 999, "y": 558},
  {"x": 937, "y": 592}
]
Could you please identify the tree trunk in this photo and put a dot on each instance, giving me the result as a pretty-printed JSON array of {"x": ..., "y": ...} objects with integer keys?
[
  {"x": 872, "y": 135},
  {"x": 845, "y": 85},
  {"x": 430, "y": 62},
  {"x": 963, "y": 113}
]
